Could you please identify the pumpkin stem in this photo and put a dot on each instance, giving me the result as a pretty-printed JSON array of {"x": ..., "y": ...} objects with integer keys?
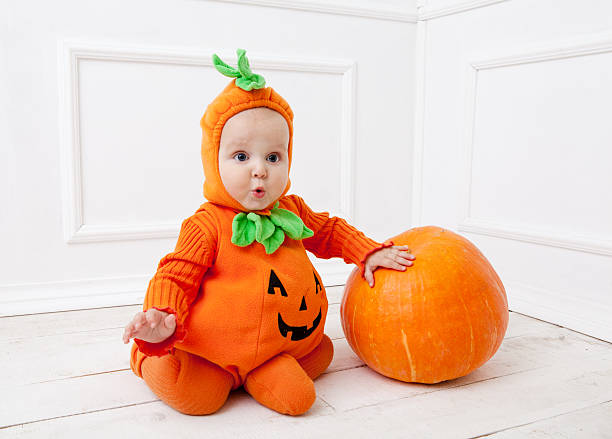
[{"x": 245, "y": 78}]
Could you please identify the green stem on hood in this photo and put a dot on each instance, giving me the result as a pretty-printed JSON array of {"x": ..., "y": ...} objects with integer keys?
[{"x": 245, "y": 78}]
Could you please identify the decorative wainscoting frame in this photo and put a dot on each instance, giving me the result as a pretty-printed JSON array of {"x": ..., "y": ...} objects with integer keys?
[
  {"x": 71, "y": 53},
  {"x": 595, "y": 44},
  {"x": 371, "y": 9},
  {"x": 569, "y": 310}
]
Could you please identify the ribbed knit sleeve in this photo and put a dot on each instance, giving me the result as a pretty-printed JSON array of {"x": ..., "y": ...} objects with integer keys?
[
  {"x": 334, "y": 237},
  {"x": 177, "y": 281}
]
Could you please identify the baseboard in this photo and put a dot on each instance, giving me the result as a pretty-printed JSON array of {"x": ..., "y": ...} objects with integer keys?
[
  {"x": 36, "y": 298},
  {"x": 588, "y": 317},
  {"x": 44, "y": 297}
]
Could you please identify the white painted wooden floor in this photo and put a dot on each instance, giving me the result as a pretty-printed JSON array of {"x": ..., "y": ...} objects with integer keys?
[{"x": 66, "y": 375}]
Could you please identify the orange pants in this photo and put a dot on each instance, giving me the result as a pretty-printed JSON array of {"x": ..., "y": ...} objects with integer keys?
[{"x": 195, "y": 386}]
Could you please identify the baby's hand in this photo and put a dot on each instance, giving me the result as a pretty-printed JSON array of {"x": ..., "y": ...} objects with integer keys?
[
  {"x": 396, "y": 257},
  {"x": 152, "y": 326}
]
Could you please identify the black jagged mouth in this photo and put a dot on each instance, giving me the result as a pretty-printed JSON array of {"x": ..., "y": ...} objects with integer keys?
[{"x": 297, "y": 332}]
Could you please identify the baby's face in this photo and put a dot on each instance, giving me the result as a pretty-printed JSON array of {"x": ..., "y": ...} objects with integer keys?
[{"x": 253, "y": 157}]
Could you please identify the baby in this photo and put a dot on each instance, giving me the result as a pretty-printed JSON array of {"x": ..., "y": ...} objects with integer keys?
[{"x": 238, "y": 302}]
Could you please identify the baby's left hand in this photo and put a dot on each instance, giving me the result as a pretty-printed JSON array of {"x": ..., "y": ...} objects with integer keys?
[{"x": 397, "y": 257}]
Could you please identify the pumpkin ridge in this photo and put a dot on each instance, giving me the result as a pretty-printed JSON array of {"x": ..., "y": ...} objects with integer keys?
[{"x": 409, "y": 355}]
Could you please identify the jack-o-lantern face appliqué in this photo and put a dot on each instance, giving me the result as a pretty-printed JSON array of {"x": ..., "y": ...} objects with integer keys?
[{"x": 297, "y": 332}]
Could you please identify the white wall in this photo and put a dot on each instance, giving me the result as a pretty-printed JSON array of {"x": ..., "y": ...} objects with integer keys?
[
  {"x": 513, "y": 147},
  {"x": 99, "y": 124},
  {"x": 99, "y": 135}
]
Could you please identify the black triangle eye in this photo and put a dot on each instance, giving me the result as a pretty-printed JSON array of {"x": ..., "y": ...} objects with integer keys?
[
  {"x": 274, "y": 283},
  {"x": 317, "y": 283}
]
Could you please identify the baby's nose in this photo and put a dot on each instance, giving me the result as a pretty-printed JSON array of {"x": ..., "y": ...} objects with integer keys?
[
  {"x": 258, "y": 171},
  {"x": 259, "y": 174}
]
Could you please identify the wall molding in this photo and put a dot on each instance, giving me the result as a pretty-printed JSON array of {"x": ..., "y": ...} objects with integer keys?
[
  {"x": 419, "y": 125},
  {"x": 372, "y": 10},
  {"x": 72, "y": 52},
  {"x": 575, "y": 313},
  {"x": 593, "y": 44},
  {"x": 429, "y": 13},
  {"x": 44, "y": 297},
  {"x": 589, "y": 244},
  {"x": 548, "y": 51}
]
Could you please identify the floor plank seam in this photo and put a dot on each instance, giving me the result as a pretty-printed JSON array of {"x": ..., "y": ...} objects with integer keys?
[
  {"x": 29, "y": 337},
  {"x": 78, "y": 376},
  {"x": 127, "y": 369},
  {"x": 327, "y": 372},
  {"x": 327, "y": 404},
  {"x": 535, "y": 318},
  {"x": 444, "y": 388},
  {"x": 67, "y": 310},
  {"x": 539, "y": 420},
  {"x": 564, "y": 327},
  {"x": 77, "y": 414}
]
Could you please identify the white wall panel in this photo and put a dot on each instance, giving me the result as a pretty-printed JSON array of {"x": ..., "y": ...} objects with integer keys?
[
  {"x": 101, "y": 136},
  {"x": 513, "y": 147},
  {"x": 538, "y": 142}
]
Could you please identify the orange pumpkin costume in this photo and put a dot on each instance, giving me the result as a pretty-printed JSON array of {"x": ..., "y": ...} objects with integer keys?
[{"x": 244, "y": 317}]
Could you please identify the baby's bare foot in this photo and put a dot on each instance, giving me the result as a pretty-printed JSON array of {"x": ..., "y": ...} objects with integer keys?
[{"x": 152, "y": 326}]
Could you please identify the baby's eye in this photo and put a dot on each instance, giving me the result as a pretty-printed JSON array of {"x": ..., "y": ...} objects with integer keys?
[
  {"x": 241, "y": 157},
  {"x": 273, "y": 158}
]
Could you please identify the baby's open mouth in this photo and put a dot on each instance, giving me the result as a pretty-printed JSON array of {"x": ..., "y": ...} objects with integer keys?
[{"x": 258, "y": 193}]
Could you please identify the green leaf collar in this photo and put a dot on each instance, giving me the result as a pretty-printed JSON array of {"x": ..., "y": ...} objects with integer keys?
[
  {"x": 268, "y": 231},
  {"x": 246, "y": 79}
]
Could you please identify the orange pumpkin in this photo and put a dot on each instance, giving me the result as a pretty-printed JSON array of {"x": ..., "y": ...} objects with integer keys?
[{"x": 439, "y": 319}]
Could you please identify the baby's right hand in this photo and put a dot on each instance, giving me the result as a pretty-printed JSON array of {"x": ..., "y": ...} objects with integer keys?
[{"x": 153, "y": 326}]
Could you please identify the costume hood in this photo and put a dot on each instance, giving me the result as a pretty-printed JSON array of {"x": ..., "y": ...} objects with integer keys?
[{"x": 246, "y": 91}]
